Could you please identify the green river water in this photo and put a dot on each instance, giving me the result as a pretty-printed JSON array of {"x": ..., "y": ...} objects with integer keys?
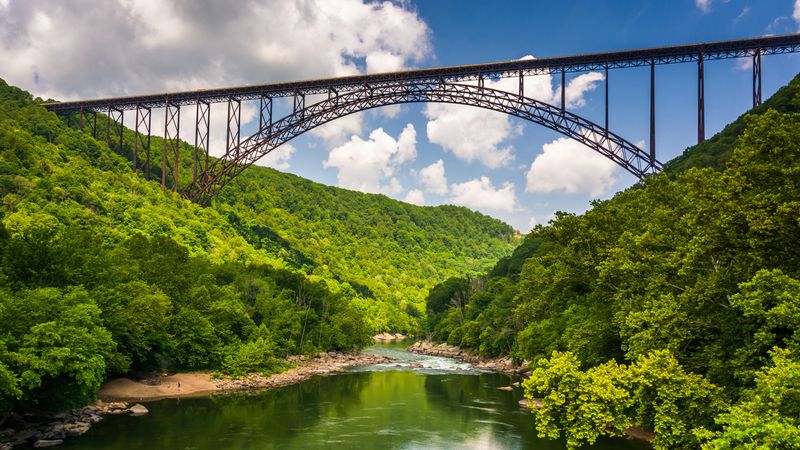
[{"x": 446, "y": 404}]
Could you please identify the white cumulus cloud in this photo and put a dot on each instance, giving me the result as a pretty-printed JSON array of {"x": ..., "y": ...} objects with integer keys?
[
  {"x": 416, "y": 197},
  {"x": 278, "y": 158},
  {"x": 704, "y": 5},
  {"x": 370, "y": 165},
  {"x": 796, "y": 13},
  {"x": 433, "y": 178},
  {"x": 481, "y": 194},
  {"x": 470, "y": 133},
  {"x": 152, "y": 46},
  {"x": 567, "y": 165},
  {"x": 474, "y": 134}
]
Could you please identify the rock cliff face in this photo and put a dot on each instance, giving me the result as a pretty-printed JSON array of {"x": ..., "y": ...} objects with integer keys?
[{"x": 503, "y": 365}]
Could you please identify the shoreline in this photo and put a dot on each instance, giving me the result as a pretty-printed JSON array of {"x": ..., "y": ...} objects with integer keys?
[
  {"x": 507, "y": 366},
  {"x": 202, "y": 383},
  {"x": 117, "y": 396}
]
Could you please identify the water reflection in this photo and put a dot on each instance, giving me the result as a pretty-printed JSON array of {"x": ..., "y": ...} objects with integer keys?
[{"x": 420, "y": 408}]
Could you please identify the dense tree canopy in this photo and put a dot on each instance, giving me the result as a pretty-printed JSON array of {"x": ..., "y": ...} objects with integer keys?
[
  {"x": 101, "y": 273},
  {"x": 663, "y": 304}
]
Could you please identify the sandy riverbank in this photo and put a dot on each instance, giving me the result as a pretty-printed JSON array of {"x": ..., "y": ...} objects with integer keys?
[{"x": 202, "y": 383}]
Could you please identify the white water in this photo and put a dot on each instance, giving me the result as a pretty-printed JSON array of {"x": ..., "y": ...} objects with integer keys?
[{"x": 405, "y": 360}]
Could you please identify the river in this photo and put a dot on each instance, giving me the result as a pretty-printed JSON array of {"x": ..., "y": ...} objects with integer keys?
[{"x": 444, "y": 404}]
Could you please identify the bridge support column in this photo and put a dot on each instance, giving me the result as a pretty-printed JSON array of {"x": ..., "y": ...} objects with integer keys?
[
  {"x": 80, "y": 118},
  {"x": 652, "y": 111},
  {"x": 757, "y": 78},
  {"x": 299, "y": 103},
  {"x": 563, "y": 89},
  {"x": 172, "y": 130},
  {"x": 265, "y": 111},
  {"x": 606, "y": 123},
  {"x": 201, "y": 134},
  {"x": 521, "y": 86},
  {"x": 233, "y": 137},
  {"x": 114, "y": 115},
  {"x": 701, "y": 100},
  {"x": 94, "y": 124},
  {"x": 141, "y": 138}
]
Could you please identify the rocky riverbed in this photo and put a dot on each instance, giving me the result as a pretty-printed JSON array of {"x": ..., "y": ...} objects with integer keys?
[
  {"x": 305, "y": 368},
  {"x": 504, "y": 365},
  {"x": 50, "y": 431}
]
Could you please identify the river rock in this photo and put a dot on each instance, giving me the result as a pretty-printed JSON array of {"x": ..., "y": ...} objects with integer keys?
[
  {"x": 505, "y": 388},
  {"x": 77, "y": 429},
  {"x": 138, "y": 410},
  {"x": 530, "y": 404},
  {"x": 42, "y": 443}
]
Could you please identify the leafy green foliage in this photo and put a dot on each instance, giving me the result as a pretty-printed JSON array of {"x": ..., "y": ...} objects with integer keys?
[
  {"x": 606, "y": 399},
  {"x": 716, "y": 152},
  {"x": 690, "y": 278},
  {"x": 768, "y": 416},
  {"x": 580, "y": 405}
]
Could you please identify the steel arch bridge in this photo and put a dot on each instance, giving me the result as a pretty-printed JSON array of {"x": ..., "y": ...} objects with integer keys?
[
  {"x": 271, "y": 136},
  {"x": 463, "y": 85}
]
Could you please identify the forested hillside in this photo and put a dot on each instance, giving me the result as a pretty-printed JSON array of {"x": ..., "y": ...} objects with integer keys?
[
  {"x": 674, "y": 306},
  {"x": 102, "y": 273},
  {"x": 716, "y": 151},
  {"x": 386, "y": 249}
]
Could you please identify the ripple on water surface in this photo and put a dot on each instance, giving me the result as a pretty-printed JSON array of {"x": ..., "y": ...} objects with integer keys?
[{"x": 443, "y": 404}]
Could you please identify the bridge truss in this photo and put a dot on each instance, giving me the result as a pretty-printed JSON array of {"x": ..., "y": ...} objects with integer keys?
[{"x": 456, "y": 84}]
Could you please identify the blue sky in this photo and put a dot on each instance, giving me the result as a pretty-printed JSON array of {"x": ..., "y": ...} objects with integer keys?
[{"x": 518, "y": 172}]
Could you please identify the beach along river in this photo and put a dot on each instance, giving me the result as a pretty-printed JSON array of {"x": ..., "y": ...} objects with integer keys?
[{"x": 421, "y": 402}]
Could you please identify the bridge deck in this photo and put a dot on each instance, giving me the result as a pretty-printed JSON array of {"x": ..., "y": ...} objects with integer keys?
[{"x": 577, "y": 63}]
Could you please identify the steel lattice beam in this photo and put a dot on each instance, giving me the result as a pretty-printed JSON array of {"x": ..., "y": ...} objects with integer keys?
[
  {"x": 172, "y": 131},
  {"x": 742, "y": 48},
  {"x": 596, "y": 137},
  {"x": 142, "y": 138}
]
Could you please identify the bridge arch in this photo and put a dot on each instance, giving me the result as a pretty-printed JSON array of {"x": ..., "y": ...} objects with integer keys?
[{"x": 272, "y": 135}]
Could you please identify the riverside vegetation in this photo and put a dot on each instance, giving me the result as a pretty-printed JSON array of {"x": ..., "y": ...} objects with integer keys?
[
  {"x": 674, "y": 306},
  {"x": 102, "y": 274}
]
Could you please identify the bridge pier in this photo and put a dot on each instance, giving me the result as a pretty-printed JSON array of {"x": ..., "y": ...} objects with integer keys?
[
  {"x": 652, "y": 110},
  {"x": 299, "y": 103},
  {"x": 201, "y": 135},
  {"x": 757, "y": 78},
  {"x": 142, "y": 139},
  {"x": 172, "y": 130},
  {"x": 265, "y": 110},
  {"x": 701, "y": 99},
  {"x": 234, "y": 134},
  {"x": 563, "y": 89},
  {"x": 94, "y": 124},
  {"x": 606, "y": 123},
  {"x": 115, "y": 115}
]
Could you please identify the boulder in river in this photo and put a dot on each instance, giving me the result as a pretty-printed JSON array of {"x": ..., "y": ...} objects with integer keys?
[
  {"x": 42, "y": 443},
  {"x": 138, "y": 410},
  {"x": 530, "y": 404}
]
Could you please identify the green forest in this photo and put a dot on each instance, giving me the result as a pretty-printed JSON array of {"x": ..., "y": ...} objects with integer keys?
[
  {"x": 674, "y": 306},
  {"x": 102, "y": 273}
]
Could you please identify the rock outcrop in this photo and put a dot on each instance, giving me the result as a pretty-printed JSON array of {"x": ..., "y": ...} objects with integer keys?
[{"x": 42, "y": 432}]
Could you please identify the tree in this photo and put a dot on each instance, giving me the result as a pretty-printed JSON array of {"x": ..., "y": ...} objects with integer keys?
[{"x": 768, "y": 418}]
